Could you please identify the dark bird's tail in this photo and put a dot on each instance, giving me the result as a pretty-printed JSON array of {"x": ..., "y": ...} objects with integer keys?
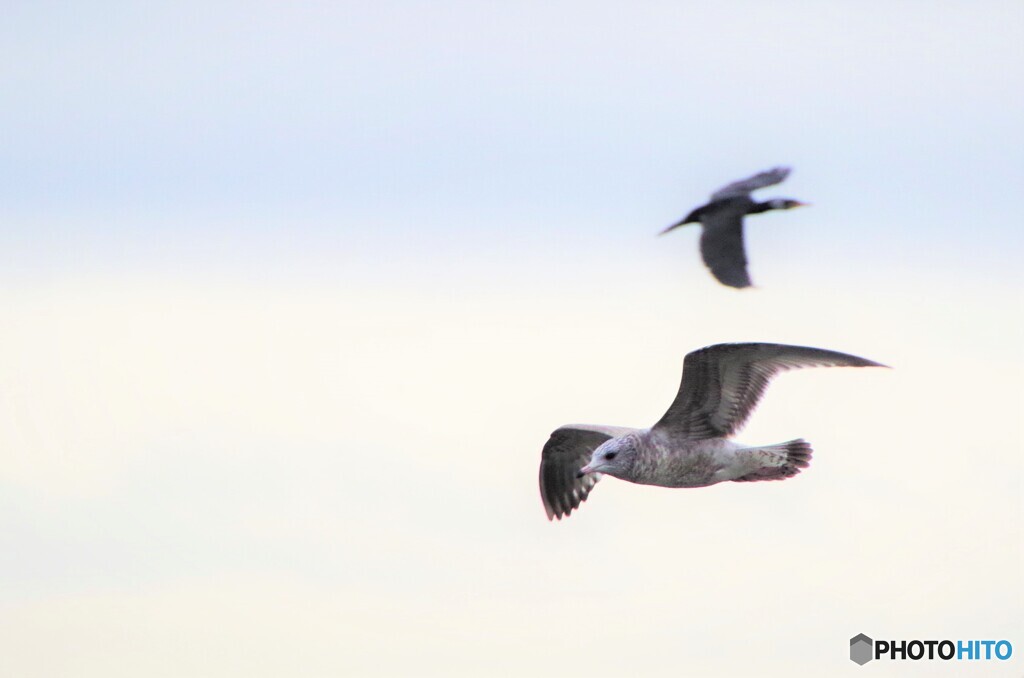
[
  {"x": 673, "y": 226},
  {"x": 691, "y": 218}
]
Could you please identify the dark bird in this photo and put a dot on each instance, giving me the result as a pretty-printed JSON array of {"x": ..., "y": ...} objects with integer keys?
[
  {"x": 721, "y": 242},
  {"x": 689, "y": 446}
]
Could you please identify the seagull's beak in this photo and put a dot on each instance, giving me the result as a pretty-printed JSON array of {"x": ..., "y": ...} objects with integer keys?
[{"x": 584, "y": 471}]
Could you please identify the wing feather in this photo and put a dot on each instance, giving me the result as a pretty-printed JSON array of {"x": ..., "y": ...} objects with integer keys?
[
  {"x": 770, "y": 177},
  {"x": 566, "y": 452},
  {"x": 721, "y": 247},
  {"x": 722, "y": 384}
]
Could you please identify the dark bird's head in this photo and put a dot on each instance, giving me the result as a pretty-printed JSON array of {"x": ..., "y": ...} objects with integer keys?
[
  {"x": 614, "y": 457},
  {"x": 778, "y": 204}
]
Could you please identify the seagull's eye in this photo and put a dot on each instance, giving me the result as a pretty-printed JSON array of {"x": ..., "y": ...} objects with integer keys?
[{"x": 610, "y": 455}]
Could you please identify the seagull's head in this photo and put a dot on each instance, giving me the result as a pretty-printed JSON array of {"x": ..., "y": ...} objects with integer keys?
[{"x": 614, "y": 457}]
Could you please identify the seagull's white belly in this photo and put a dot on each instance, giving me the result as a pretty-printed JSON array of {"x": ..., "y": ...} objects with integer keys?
[{"x": 693, "y": 464}]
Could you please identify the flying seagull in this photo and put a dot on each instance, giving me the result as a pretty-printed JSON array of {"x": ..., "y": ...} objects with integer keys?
[
  {"x": 721, "y": 242},
  {"x": 689, "y": 446}
]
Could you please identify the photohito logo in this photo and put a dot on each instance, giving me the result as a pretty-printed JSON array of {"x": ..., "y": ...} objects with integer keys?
[
  {"x": 863, "y": 649},
  {"x": 860, "y": 649}
]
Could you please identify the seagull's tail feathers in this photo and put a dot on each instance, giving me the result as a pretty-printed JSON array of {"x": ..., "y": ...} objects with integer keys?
[{"x": 778, "y": 462}]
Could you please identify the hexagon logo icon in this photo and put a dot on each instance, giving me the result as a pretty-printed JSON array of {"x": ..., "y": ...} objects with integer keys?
[{"x": 861, "y": 649}]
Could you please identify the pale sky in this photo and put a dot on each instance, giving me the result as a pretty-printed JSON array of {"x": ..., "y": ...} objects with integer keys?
[{"x": 292, "y": 296}]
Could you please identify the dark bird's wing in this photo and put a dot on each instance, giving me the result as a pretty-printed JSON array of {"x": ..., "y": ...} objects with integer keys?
[
  {"x": 566, "y": 452},
  {"x": 745, "y": 186},
  {"x": 722, "y": 384},
  {"x": 721, "y": 247}
]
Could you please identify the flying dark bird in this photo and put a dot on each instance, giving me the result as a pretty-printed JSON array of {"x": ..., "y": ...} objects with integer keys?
[
  {"x": 721, "y": 242},
  {"x": 689, "y": 446}
]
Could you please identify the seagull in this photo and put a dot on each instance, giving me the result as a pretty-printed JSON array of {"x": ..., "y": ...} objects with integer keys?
[
  {"x": 689, "y": 446},
  {"x": 721, "y": 242}
]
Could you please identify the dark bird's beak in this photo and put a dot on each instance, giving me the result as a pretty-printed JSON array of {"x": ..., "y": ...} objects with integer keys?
[{"x": 801, "y": 204}]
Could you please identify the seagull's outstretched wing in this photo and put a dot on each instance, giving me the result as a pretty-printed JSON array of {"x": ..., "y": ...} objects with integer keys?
[
  {"x": 746, "y": 186},
  {"x": 721, "y": 247},
  {"x": 722, "y": 384},
  {"x": 566, "y": 452}
]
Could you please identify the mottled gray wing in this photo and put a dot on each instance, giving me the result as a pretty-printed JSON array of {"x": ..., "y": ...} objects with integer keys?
[
  {"x": 745, "y": 186},
  {"x": 722, "y": 384},
  {"x": 566, "y": 452},
  {"x": 721, "y": 247}
]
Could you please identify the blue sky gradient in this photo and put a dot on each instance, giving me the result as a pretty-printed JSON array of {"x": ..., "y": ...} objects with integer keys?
[{"x": 257, "y": 131}]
